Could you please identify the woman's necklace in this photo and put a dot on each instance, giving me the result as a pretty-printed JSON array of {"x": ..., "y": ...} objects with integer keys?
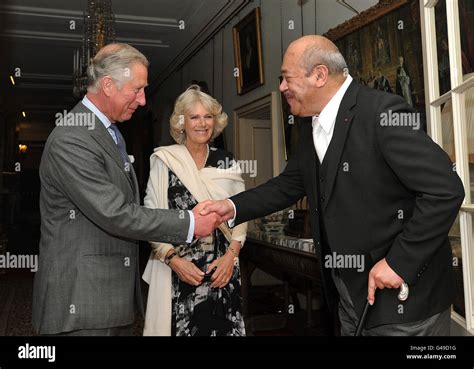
[
  {"x": 207, "y": 156},
  {"x": 205, "y": 160}
]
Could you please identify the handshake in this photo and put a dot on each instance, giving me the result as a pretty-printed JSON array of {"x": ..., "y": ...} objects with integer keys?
[{"x": 208, "y": 215}]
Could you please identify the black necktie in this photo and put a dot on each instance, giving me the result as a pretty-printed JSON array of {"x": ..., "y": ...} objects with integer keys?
[{"x": 120, "y": 143}]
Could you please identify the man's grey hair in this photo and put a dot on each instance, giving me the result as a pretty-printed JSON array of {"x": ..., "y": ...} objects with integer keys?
[
  {"x": 332, "y": 58},
  {"x": 114, "y": 60}
]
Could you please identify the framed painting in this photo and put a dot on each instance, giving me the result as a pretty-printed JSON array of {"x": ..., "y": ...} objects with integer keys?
[
  {"x": 383, "y": 50},
  {"x": 248, "y": 52}
]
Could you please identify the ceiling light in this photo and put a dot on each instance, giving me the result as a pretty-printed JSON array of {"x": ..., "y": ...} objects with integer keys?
[{"x": 99, "y": 30}]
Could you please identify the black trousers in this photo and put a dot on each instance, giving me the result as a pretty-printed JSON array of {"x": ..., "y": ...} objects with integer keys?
[{"x": 436, "y": 325}]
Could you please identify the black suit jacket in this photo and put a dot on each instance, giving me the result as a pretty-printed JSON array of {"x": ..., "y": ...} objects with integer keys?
[{"x": 389, "y": 191}]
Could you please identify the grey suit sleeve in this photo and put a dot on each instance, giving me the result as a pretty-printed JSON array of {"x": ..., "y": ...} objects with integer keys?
[{"x": 80, "y": 173}]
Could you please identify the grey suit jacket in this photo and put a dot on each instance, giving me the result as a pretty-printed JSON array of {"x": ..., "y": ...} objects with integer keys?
[{"x": 88, "y": 275}]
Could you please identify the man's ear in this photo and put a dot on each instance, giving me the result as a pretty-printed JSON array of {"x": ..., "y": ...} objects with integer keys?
[
  {"x": 320, "y": 74},
  {"x": 107, "y": 85}
]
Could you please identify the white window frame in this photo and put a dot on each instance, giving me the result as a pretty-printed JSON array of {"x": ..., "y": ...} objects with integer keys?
[{"x": 433, "y": 115}]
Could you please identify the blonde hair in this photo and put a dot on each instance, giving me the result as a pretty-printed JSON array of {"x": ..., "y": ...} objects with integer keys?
[
  {"x": 185, "y": 102},
  {"x": 114, "y": 60}
]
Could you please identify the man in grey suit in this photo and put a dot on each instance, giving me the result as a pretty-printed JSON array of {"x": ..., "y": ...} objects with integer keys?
[{"x": 88, "y": 277}]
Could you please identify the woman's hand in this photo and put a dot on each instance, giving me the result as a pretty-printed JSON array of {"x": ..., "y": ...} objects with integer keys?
[
  {"x": 187, "y": 271},
  {"x": 224, "y": 267}
]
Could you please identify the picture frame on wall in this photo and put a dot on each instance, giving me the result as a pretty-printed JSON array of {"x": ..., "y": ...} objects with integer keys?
[
  {"x": 382, "y": 48},
  {"x": 248, "y": 52}
]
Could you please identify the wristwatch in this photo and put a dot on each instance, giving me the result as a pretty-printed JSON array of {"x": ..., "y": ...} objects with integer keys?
[{"x": 169, "y": 257}]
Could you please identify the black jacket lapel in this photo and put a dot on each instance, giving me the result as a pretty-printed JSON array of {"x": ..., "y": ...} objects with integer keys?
[
  {"x": 310, "y": 156},
  {"x": 341, "y": 129}
]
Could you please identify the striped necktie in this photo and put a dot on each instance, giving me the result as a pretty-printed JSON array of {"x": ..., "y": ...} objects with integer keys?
[{"x": 120, "y": 143}]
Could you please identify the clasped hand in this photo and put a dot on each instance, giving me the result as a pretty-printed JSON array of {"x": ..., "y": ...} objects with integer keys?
[
  {"x": 219, "y": 271},
  {"x": 208, "y": 215}
]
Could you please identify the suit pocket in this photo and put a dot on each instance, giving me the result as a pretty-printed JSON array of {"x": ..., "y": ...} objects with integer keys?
[
  {"x": 106, "y": 287},
  {"x": 108, "y": 270},
  {"x": 379, "y": 253}
]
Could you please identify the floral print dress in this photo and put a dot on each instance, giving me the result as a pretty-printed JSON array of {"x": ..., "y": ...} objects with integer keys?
[{"x": 203, "y": 310}]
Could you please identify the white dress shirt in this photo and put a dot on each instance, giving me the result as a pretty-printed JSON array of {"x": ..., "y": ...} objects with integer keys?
[
  {"x": 323, "y": 125},
  {"x": 106, "y": 122}
]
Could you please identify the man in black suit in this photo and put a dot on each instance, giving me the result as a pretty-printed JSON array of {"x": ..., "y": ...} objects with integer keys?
[{"x": 380, "y": 191}]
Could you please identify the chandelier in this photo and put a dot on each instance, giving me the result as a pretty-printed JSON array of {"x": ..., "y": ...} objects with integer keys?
[{"x": 99, "y": 30}]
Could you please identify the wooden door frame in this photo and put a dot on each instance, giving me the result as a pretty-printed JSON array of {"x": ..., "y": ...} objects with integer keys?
[{"x": 272, "y": 101}]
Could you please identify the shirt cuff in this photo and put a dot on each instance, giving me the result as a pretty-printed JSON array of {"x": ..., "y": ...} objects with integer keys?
[
  {"x": 231, "y": 222},
  {"x": 191, "y": 227}
]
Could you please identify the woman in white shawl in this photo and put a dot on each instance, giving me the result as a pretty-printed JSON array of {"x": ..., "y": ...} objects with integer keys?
[{"x": 194, "y": 288}]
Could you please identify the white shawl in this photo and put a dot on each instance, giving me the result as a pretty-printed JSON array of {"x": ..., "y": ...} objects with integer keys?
[{"x": 203, "y": 184}]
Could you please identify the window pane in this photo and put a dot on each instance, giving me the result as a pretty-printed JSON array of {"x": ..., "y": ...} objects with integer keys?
[
  {"x": 466, "y": 21},
  {"x": 448, "y": 129},
  {"x": 442, "y": 47},
  {"x": 469, "y": 108},
  {"x": 448, "y": 132},
  {"x": 455, "y": 239}
]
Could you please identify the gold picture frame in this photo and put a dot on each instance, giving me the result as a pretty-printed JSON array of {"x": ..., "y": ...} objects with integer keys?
[
  {"x": 365, "y": 18},
  {"x": 248, "y": 52},
  {"x": 383, "y": 48}
]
